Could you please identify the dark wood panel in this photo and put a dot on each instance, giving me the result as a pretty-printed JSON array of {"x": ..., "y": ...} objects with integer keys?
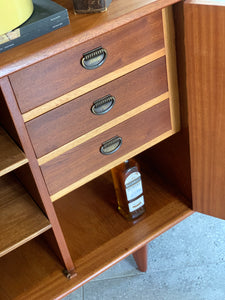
[
  {"x": 62, "y": 73},
  {"x": 86, "y": 158},
  {"x": 205, "y": 58},
  {"x": 75, "y": 118}
]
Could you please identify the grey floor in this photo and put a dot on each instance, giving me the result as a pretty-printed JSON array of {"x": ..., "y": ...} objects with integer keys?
[{"x": 185, "y": 263}]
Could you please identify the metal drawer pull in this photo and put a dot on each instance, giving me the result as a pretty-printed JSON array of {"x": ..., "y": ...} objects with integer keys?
[
  {"x": 103, "y": 105},
  {"x": 111, "y": 146},
  {"x": 94, "y": 58}
]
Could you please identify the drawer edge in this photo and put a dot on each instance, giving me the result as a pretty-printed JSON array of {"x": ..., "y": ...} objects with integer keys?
[
  {"x": 36, "y": 112},
  {"x": 109, "y": 166},
  {"x": 171, "y": 65},
  {"x": 44, "y": 159}
]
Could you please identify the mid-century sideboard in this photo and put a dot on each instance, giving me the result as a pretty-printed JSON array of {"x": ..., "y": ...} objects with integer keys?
[{"x": 144, "y": 79}]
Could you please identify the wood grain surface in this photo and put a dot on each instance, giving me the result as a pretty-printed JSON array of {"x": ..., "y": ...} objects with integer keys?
[
  {"x": 111, "y": 165},
  {"x": 91, "y": 210},
  {"x": 171, "y": 157},
  {"x": 96, "y": 131},
  {"x": 106, "y": 238},
  {"x": 54, "y": 103},
  {"x": 20, "y": 218},
  {"x": 28, "y": 150},
  {"x": 205, "y": 58},
  {"x": 74, "y": 119},
  {"x": 63, "y": 72},
  {"x": 171, "y": 63},
  {"x": 86, "y": 158},
  {"x": 141, "y": 258},
  {"x": 81, "y": 29},
  {"x": 11, "y": 157}
]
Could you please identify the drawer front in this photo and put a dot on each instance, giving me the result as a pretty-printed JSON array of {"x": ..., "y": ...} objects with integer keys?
[
  {"x": 87, "y": 158},
  {"x": 74, "y": 119},
  {"x": 63, "y": 72}
]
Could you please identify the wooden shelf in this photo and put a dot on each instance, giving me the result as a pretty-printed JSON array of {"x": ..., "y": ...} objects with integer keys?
[
  {"x": 11, "y": 157},
  {"x": 20, "y": 218},
  {"x": 90, "y": 220},
  {"x": 97, "y": 236}
]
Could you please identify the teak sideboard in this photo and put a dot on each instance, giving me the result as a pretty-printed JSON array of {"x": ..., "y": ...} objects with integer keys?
[{"x": 145, "y": 79}]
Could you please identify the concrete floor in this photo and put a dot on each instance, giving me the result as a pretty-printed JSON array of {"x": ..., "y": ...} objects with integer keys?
[{"x": 185, "y": 263}]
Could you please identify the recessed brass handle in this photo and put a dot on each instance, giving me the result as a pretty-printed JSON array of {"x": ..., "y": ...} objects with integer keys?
[
  {"x": 103, "y": 105},
  {"x": 94, "y": 58},
  {"x": 111, "y": 146}
]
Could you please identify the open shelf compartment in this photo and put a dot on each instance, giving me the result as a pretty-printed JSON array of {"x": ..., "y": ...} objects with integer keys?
[
  {"x": 97, "y": 235},
  {"x": 20, "y": 218},
  {"x": 11, "y": 157}
]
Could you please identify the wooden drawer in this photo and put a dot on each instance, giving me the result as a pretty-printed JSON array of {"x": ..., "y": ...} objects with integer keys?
[
  {"x": 71, "y": 120},
  {"x": 86, "y": 158},
  {"x": 63, "y": 72}
]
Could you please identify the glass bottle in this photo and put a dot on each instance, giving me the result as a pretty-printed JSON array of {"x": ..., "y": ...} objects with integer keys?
[
  {"x": 128, "y": 188},
  {"x": 90, "y": 6}
]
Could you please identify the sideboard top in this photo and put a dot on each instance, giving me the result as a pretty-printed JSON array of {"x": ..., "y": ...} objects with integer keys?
[{"x": 80, "y": 29}]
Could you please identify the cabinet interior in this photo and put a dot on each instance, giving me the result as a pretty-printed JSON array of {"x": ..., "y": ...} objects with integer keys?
[{"x": 96, "y": 234}]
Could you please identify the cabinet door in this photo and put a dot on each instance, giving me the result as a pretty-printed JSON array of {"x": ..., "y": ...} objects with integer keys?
[{"x": 204, "y": 27}]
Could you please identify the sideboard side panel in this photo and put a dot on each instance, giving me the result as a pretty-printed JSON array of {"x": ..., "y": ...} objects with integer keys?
[{"x": 205, "y": 78}]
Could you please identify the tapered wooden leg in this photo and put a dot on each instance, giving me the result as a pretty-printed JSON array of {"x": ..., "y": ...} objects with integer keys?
[{"x": 141, "y": 258}]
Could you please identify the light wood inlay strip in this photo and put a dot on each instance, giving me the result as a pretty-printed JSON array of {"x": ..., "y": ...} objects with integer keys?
[
  {"x": 171, "y": 65},
  {"x": 13, "y": 167},
  {"x": 90, "y": 86},
  {"x": 108, "y": 167},
  {"x": 102, "y": 128}
]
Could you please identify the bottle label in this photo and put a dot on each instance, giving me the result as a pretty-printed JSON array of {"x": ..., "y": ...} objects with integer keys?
[
  {"x": 133, "y": 186},
  {"x": 136, "y": 204}
]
